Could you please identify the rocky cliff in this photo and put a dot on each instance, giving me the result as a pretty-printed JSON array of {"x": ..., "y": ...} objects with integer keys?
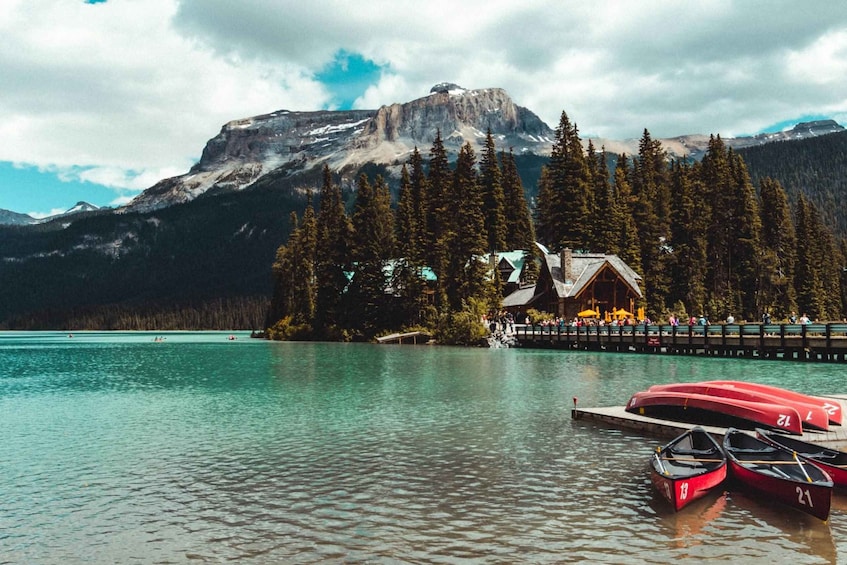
[{"x": 286, "y": 142}]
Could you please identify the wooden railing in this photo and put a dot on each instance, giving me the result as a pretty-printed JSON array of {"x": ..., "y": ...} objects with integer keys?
[{"x": 797, "y": 341}]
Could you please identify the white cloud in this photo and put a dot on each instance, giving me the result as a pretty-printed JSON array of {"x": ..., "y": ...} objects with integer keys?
[{"x": 125, "y": 93}]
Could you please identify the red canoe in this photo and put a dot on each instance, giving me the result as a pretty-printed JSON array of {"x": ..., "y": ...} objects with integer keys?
[
  {"x": 832, "y": 461},
  {"x": 778, "y": 474},
  {"x": 815, "y": 416},
  {"x": 688, "y": 467},
  {"x": 703, "y": 409},
  {"x": 832, "y": 407}
]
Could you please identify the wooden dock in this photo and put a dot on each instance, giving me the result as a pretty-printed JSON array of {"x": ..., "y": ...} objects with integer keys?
[
  {"x": 409, "y": 337},
  {"x": 618, "y": 417},
  {"x": 796, "y": 342}
]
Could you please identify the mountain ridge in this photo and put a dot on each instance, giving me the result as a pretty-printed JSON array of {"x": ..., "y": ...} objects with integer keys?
[{"x": 288, "y": 142}]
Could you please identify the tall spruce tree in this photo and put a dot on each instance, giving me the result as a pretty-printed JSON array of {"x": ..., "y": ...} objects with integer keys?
[
  {"x": 465, "y": 275},
  {"x": 372, "y": 246},
  {"x": 746, "y": 247},
  {"x": 332, "y": 258},
  {"x": 565, "y": 192},
  {"x": 438, "y": 215},
  {"x": 407, "y": 218},
  {"x": 520, "y": 232},
  {"x": 491, "y": 180},
  {"x": 295, "y": 286},
  {"x": 780, "y": 249},
  {"x": 651, "y": 190},
  {"x": 688, "y": 284},
  {"x": 717, "y": 180},
  {"x": 604, "y": 205},
  {"x": 808, "y": 281},
  {"x": 626, "y": 230}
]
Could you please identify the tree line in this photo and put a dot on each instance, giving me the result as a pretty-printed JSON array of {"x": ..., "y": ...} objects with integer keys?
[
  {"x": 701, "y": 235},
  {"x": 356, "y": 276}
]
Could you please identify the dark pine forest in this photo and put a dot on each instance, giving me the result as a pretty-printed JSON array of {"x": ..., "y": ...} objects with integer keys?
[{"x": 705, "y": 236}]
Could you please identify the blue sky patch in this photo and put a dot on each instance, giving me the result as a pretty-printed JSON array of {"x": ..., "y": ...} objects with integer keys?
[{"x": 347, "y": 77}]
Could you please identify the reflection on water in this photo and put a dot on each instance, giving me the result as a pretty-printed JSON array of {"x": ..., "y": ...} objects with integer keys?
[{"x": 117, "y": 449}]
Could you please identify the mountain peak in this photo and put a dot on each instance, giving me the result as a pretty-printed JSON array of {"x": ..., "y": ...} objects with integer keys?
[
  {"x": 448, "y": 87},
  {"x": 287, "y": 142}
]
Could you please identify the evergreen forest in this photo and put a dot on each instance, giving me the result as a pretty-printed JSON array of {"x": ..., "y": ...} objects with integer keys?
[{"x": 704, "y": 238}]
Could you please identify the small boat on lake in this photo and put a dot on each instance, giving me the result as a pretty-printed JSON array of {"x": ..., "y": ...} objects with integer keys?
[
  {"x": 831, "y": 406},
  {"x": 705, "y": 409},
  {"x": 813, "y": 414},
  {"x": 778, "y": 474},
  {"x": 688, "y": 467},
  {"x": 833, "y": 461}
]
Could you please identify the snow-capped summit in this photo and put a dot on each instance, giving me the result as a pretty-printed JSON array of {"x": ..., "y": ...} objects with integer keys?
[{"x": 80, "y": 207}]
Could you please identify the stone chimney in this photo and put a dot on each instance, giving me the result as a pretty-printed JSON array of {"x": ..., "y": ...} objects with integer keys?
[{"x": 567, "y": 264}]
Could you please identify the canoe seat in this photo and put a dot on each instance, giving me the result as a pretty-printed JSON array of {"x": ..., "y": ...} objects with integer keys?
[
  {"x": 821, "y": 455},
  {"x": 710, "y": 451},
  {"x": 752, "y": 450}
]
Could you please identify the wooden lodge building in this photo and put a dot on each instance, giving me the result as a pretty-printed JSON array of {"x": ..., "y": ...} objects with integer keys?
[{"x": 570, "y": 283}]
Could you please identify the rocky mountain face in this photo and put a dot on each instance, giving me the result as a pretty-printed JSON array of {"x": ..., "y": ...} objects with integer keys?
[{"x": 286, "y": 143}]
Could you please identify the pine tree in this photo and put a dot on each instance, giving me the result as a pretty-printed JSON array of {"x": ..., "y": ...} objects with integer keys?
[
  {"x": 780, "y": 249},
  {"x": 687, "y": 239},
  {"x": 372, "y": 245},
  {"x": 651, "y": 190},
  {"x": 565, "y": 192},
  {"x": 628, "y": 241},
  {"x": 465, "y": 275},
  {"x": 604, "y": 205},
  {"x": 717, "y": 180},
  {"x": 520, "y": 232},
  {"x": 808, "y": 282},
  {"x": 746, "y": 248},
  {"x": 295, "y": 286},
  {"x": 407, "y": 218},
  {"x": 491, "y": 180},
  {"x": 332, "y": 259},
  {"x": 438, "y": 216}
]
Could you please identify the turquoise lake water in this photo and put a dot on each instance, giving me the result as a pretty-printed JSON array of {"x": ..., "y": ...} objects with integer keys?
[{"x": 119, "y": 449}]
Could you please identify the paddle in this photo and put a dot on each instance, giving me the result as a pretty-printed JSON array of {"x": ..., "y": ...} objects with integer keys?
[
  {"x": 808, "y": 478},
  {"x": 659, "y": 461}
]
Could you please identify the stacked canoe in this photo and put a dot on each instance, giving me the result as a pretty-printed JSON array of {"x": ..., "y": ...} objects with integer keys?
[
  {"x": 739, "y": 404},
  {"x": 767, "y": 462}
]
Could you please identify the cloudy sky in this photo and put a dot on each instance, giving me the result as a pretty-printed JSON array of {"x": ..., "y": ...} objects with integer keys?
[{"x": 101, "y": 99}]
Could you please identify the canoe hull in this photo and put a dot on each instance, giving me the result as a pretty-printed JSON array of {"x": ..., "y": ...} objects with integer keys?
[
  {"x": 832, "y": 407},
  {"x": 770, "y": 472},
  {"x": 696, "y": 407},
  {"x": 832, "y": 461},
  {"x": 813, "y": 416},
  {"x": 687, "y": 468}
]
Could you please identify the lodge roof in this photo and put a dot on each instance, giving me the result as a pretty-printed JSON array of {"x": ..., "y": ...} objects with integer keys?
[{"x": 584, "y": 267}]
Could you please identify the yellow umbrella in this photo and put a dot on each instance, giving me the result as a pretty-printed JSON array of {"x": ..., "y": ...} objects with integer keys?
[
  {"x": 621, "y": 313},
  {"x": 587, "y": 313}
]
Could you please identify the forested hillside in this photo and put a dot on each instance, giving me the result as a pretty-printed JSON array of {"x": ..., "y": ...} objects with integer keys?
[
  {"x": 705, "y": 239},
  {"x": 816, "y": 167}
]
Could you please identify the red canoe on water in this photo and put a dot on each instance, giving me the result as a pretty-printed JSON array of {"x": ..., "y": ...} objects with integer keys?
[
  {"x": 688, "y": 467},
  {"x": 778, "y": 474},
  {"x": 815, "y": 416},
  {"x": 832, "y": 461},
  {"x": 704, "y": 409},
  {"x": 832, "y": 407}
]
